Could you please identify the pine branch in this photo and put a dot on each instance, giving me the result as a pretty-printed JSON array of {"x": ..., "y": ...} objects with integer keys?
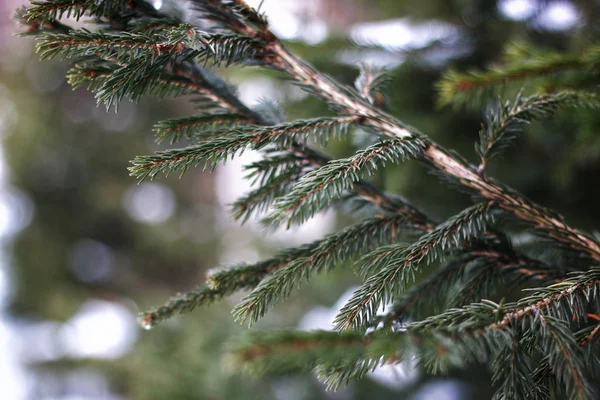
[
  {"x": 261, "y": 199},
  {"x": 322, "y": 255},
  {"x": 496, "y": 272},
  {"x": 503, "y": 122},
  {"x": 439, "y": 158},
  {"x": 303, "y": 261},
  {"x": 221, "y": 147},
  {"x": 512, "y": 372},
  {"x": 233, "y": 15},
  {"x": 217, "y": 92},
  {"x": 232, "y": 49},
  {"x": 318, "y": 188},
  {"x": 522, "y": 64},
  {"x": 49, "y": 10},
  {"x": 181, "y": 303},
  {"x": 176, "y": 129},
  {"x": 372, "y": 83},
  {"x": 286, "y": 351},
  {"x": 563, "y": 356},
  {"x": 393, "y": 266}
]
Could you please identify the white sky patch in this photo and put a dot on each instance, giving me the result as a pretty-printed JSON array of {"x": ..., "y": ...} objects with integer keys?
[
  {"x": 101, "y": 329},
  {"x": 16, "y": 212},
  {"x": 517, "y": 10},
  {"x": 15, "y": 380},
  {"x": 376, "y": 58},
  {"x": 293, "y": 20},
  {"x": 558, "y": 16},
  {"x": 252, "y": 91},
  {"x": 149, "y": 202},
  {"x": 402, "y": 33},
  {"x": 442, "y": 390}
]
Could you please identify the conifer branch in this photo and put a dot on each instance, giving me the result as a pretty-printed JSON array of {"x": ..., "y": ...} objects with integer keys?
[
  {"x": 451, "y": 284},
  {"x": 523, "y": 64},
  {"x": 218, "y": 93},
  {"x": 590, "y": 337},
  {"x": 297, "y": 264},
  {"x": 145, "y": 53},
  {"x": 317, "y": 189},
  {"x": 261, "y": 199},
  {"x": 372, "y": 83},
  {"x": 36, "y": 26},
  {"x": 503, "y": 122},
  {"x": 177, "y": 129},
  {"x": 512, "y": 372},
  {"x": 49, "y": 10},
  {"x": 563, "y": 356},
  {"x": 181, "y": 303},
  {"x": 391, "y": 267},
  {"x": 440, "y": 159},
  {"x": 226, "y": 145},
  {"x": 285, "y": 351},
  {"x": 325, "y": 254}
]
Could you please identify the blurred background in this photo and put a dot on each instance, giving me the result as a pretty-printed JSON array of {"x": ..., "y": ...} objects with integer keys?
[{"x": 83, "y": 247}]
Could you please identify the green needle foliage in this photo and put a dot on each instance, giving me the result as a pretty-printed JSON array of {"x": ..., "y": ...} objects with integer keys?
[{"x": 541, "y": 344}]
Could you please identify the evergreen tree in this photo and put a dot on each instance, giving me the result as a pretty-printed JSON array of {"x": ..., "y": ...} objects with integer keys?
[{"x": 539, "y": 335}]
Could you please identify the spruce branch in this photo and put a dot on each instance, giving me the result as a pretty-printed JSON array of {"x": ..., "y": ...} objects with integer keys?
[
  {"x": 563, "y": 356},
  {"x": 37, "y": 26},
  {"x": 322, "y": 255},
  {"x": 233, "y": 15},
  {"x": 222, "y": 146},
  {"x": 298, "y": 263},
  {"x": 465, "y": 279},
  {"x": 220, "y": 284},
  {"x": 181, "y": 303},
  {"x": 285, "y": 351},
  {"x": 211, "y": 88},
  {"x": 231, "y": 49},
  {"x": 274, "y": 175},
  {"x": 505, "y": 120},
  {"x": 261, "y": 199},
  {"x": 123, "y": 47},
  {"x": 512, "y": 372},
  {"x": 317, "y": 189},
  {"x": 281, "y": 352},
  {"x": 50, "y": 10},
  {"x": 176, "y": 129},
  {"x": 523, "y": 64},
  {"x": 150, "y": 60},
  {"x": 442, "y": 160},
  {"x": 590, "y": 337},
  {"x": 391, "y": 267},
  {"x": 372, "y": 83}
]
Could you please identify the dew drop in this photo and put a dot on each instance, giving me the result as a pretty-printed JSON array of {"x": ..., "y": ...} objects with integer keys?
[{"x": 147, "y": 320}]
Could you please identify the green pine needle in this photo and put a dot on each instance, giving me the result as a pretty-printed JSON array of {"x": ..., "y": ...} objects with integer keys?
[{"x": 317, "y": 189}]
